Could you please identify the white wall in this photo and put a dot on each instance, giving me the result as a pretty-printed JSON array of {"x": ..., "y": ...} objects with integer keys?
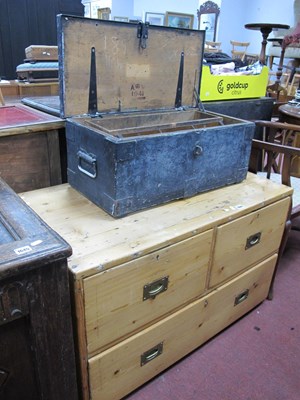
[
  {"x": 236, "y": 13},
  {"x": 233, "y": 16},
  {"x": 123, "y": 8},
  {"x": 187, "y": 7},
  {"x": 138, "y": 8}
]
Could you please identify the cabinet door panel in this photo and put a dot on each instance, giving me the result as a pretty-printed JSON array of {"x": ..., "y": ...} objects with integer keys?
[{"x": 17, "y": 371}]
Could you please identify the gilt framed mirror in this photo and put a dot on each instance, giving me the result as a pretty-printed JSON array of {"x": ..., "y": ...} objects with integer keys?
[{"x": 208, "y": 15}]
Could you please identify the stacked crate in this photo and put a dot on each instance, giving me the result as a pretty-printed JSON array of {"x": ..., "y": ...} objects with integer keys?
[{"x": 40, "y": 64}]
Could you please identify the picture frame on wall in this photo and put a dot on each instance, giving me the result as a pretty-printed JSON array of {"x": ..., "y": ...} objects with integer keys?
[
  {"x": 208, "y": 15},
  {"x": 104, "y": 13},
  {"x": 207, "y": 22},
  {"x": 179, "y": 20},
  {"x": 155, "y": 18},
  {"x": 121, "y": 19}
]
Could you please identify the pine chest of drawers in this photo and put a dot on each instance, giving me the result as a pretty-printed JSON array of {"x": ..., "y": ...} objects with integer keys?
[{"x": 151, "y": 287}]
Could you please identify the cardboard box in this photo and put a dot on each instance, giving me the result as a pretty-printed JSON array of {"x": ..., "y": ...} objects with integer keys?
[{"x": 225, "y": 87}]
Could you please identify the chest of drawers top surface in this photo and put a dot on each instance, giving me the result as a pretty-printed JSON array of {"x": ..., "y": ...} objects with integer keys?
[{"x": 100, "y": 242}]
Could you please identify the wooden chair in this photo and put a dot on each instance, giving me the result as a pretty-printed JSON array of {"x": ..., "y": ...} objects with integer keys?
[
  {"x": 270, "y": 149},
  {"x": 251, "y": 58},
  {"x": 239, "y": 49},
  {"x": 284, "y": 82},
  {"x": 277, "y": 87},
  {"x": 295, "y": 84},
  {"x": 212, "y": 47}
]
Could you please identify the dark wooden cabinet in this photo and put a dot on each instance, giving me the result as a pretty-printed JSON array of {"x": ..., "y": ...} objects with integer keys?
[
  {"x": 37, "y": 359},
  {"x": 32, "y": 148}
]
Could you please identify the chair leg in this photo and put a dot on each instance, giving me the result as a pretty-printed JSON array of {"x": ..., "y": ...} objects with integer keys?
[
  {"x": 1, "y": 98},
  {"x": 271, "y": 60},
  {"x": 285, "y": 235},
  {"x": 293, "y": 83}
]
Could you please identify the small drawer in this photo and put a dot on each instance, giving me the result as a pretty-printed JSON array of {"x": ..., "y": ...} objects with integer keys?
[
  {"x": 124, "y": 367},
  {"x": 244, "y": 242},
  {"x": 123, "y": 299}
]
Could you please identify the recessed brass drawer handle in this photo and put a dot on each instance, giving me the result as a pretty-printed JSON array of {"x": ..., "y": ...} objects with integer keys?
[
  {"x": 253, "y": 240},
  {"x": 151, "y": 290},
  {"x": 151, "y": 354},
  {"x": 241, "y": 297}
]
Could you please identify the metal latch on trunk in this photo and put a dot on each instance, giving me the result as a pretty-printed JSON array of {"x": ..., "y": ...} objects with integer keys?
[{"x": 142, "y": 34}]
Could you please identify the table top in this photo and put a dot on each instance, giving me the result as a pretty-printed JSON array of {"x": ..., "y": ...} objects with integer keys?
[
  {"x": 6, "y": 83},
  {"x": 18, "y": 118},
  {"x": 48, "y": 104},
  {"x": 100, "y": 242},
  {"x": 291, "y": 111},
  {"x": 262, "y": 25},
  {"x": 25, "y": 83}
]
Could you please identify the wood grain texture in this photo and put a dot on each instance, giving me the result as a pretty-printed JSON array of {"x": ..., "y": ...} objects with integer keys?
[
  {"x": 184, "y": 264},
  {"x": 135, "y": 77},
  {"x": 113, "y": 259},
  {"x": 232, "y": 254},
  {"x": 36, "y": 52},
  {"x": 100, "y": 242},
  {"x": 31, "y": 161},
  {"x": 19, "y": 119},
  {"x": 35, "y": 311},
  {"x": 117, "y": 371},
  {"x": 20, "y": 375},
  {"x": 30, "y": 147}
]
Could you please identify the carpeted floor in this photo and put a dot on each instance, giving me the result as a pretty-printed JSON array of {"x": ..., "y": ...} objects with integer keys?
[{"x": 256, "y": 358}]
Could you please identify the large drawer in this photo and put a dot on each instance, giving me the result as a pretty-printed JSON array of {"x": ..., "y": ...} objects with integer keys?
[
  {"x": 125, "y": 366},
  {"x": 123, "y": 299},
  {"x": 247, "y": 240}
]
